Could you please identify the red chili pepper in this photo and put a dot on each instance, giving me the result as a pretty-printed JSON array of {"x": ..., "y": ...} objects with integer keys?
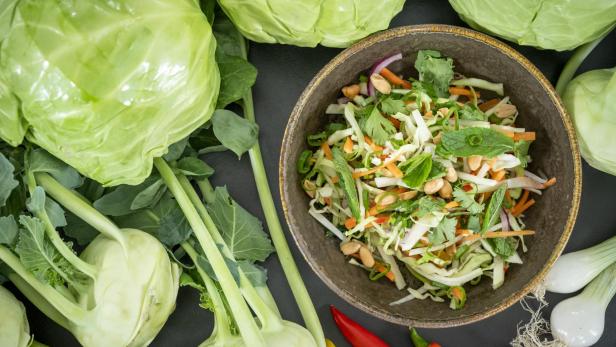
[
  {"x": 357, "y": 335},
  {"x": 434, "y": 344}
]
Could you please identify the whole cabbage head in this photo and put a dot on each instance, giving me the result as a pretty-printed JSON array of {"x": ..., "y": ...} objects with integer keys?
[
  {"x": 14, "y": 328},
  {"x": 589, "y": 98},
  {"x": 548, "y": 24},
  {"x": 332, "y": 23},
  {"x": 106, "y": 86}
]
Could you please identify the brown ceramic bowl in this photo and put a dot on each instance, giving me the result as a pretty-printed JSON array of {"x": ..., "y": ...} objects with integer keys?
[{"x": 554, "y": 153}]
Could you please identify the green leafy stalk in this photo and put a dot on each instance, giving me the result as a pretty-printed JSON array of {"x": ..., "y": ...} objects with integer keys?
[
  {"x": 80, "y": 208},
  {"x": 208, "y": 194},
  {"x": 304, "y": 302},
  {"x": 64, "y": 306},
  {"x": 248, "y": 328},
  {"x": 574, "y": 63}
]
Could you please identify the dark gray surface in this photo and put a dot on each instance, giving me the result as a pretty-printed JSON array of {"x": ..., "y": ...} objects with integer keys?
[{"x": 284, "y": 71}]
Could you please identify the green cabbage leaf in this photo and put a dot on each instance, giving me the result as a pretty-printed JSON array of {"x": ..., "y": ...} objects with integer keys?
[
  {"x": 332, "y": 23},
  {"x": 589, "y": 98},
  {"x": 106, "y": 86},
  {"x": 548, "y": 24}
]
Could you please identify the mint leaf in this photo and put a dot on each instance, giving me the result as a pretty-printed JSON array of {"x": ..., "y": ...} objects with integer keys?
[
  {"x": 378, "y": 127},
  {"x": 503, "y": 246},
  {"x": 347, "y": 182},
  {"x": 436, "y": 70},
  {"x": 474, "y": 141},
  {"x": 417, "y": 169},
  {"x": 242, "y": 232},
  {"x": 493, "y": 209},
  {"x": 7, "y": 179},
  {"x": 467, "y": 201}
]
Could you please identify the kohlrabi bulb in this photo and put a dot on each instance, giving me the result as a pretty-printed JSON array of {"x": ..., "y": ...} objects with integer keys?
[{"x": 14, "y": 328}]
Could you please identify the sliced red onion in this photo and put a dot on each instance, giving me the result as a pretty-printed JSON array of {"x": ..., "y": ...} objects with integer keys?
[
  {"x": 504, "y": 220},
  {"x": 534, "y": 177},
  {"x": 376, "y": 68}
]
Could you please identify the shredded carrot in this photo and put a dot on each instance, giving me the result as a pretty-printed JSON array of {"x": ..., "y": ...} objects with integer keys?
[
  {"x": 550, "y": 182},
  {"x": 371, "y": 143},
  {"x": 462, "y": 91},
  {"x": 524, "y": 207},
  {"x": 488, "y": 104},
  {"x": 327, "y": 151},
  {"x": 348, "y": 145},
  {"x": 457, "y": 293},
  {"x": 391, "y": 77},
  {"x": 381, "y": 268},
  {"x": 358, "y": 174},
  {"x": 526, "y": 136},
  {"x": 400, "y": 190},
  {"x": 328, "y": 201},
  {"x": 497, "y": 234},
  {"x": 499, "y": 175},
  {"x": 350, "y": 223},
  {"x": 508, "y": 198},
  {"x": 521, "y": 202},
  {"x": 465, "y": 232},
  {"x": 451, "y": 204},
  {"x": 373, "y": 211},
  {"x": 382, "y": 219},
  {"x": 395, "y": 122},
  {"x": 393, "y": 168}
]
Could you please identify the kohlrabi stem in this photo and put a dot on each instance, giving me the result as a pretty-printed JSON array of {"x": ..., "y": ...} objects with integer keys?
[
  {"x": 243, "y": 317},
  {"x": 603, "y": 288},
  {"x": 64, "y": 306},
  {"x": 80, "y": 208},
  {"x": 38, "y": 300},
  {"x": 574, "y": 63},
  {"x": 221, "y": 328},
  {"x": 302, "y": 298},
  {"x": 35, "y": 343},
  {"x": 208, "y": 194},
  {"x": 55, "y": 238}
]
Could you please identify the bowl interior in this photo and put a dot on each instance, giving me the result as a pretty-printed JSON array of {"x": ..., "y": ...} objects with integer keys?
[{"x": 554, "y": 154}]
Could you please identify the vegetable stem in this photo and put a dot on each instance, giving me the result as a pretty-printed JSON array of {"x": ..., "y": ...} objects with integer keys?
[
  {"x": 80, "y": 208},
  {"x": 64, "y": 306},
  {"x": 247, "y": 326},
  {"x": 221, "y": 327},
  {"x": 603, "y": 287},
  {"x": 289, "y": 267},
  {"x": 574, "y": 63},
  {"x": 38, "y": 300}
]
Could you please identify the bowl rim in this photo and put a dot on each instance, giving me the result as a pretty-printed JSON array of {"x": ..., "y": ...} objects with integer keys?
[{"x": 502, "y": 48}]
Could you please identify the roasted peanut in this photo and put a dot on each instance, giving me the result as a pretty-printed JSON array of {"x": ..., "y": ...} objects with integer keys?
[
  {"x": 380, "y": 83},
  {"x": 451, "y": 175},
  {"x": 433, "y": 186},
  {"x": 351, "y": 91},
  {"x": 446, "y": 190},
  {"x": 505, "y": 110},
  {"x": 350, "y": 247},
  {"x": 474, "y": 162},
  {"x": 366, "y": 257}
]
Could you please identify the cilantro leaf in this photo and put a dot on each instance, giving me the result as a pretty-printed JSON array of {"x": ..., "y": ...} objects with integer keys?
[
  {"x": 378, "y": 127},
  {"x": 435, "y": 69},
  {"x": 467, "y": 201},
  {"x": 242, "y": 232},
  {"x": 469, "y": 112},
  {"x": 393, "y": 106},
  {"x": 445, "y": 231},
  {"x": 474, "y": 141},
  {"x": 426, "y": 205}
]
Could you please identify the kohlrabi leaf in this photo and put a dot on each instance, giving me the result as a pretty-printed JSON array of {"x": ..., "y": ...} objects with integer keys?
[
  {"x": 38, "y": 202},
  {"x": 256, "y": 274},
  {"x": 333, "y": 23},
  {"x": 233, "y": 267},
  {"x": 242, "y": 232},
  {"x": 191, "y": 166},
  {"x": 229, "y": 41},
  {"x": 76, "y": 228},
  {"x": 39, "y": 255},
  {"x": 8, "y": 230},
  {"x": 7, "y": 179},
  {"x": 149, "y": 196},
  {"x": 237, "y": 76},
  {"x": 119, "y": 201},
  {"x": 41, "y": 161},
  {"x": 105, "y": 96},
  {"x": 234, "y": 132},
  {"x": 176, "y": 150}
]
